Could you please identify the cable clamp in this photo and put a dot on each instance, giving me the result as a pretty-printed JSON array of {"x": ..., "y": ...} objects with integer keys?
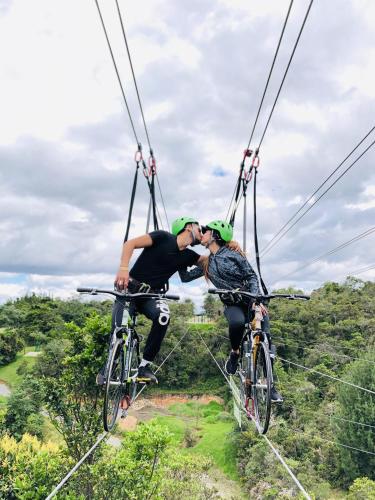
[
  {"x": 138, "y": 154},
  {"x": 152, "y": 164},
  {"x": 256, "y": 161}
]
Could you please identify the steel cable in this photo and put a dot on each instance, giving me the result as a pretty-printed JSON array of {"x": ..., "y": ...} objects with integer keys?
[
  {"x": 117, "y": 72},
  {"x": 319, "y": 198},
  {"x": 315, "y": 192}
]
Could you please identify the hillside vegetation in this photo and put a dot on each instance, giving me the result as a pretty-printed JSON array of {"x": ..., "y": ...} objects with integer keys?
[{"x": 325, "y": 428}]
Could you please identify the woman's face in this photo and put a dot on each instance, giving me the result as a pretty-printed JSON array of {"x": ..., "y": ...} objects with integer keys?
[{"x": 206, "y": 237}]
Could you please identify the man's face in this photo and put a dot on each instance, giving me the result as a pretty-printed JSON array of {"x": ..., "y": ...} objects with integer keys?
[{"x": 195, "y": 229}]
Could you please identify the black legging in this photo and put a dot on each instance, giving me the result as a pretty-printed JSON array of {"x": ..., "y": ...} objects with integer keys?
[
  {"x": 155, "y": 310},
  {"x": 237, "y": 316}
]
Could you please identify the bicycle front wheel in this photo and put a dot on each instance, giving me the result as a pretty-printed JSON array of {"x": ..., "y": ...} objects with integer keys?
[
  {"x": 262, "y": 381},
  {"x": 131, "y": 363},
  {"x": 113, "y": 386}
]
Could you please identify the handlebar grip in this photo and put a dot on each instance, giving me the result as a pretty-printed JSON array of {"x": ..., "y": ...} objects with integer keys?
[
  {"x": 212, "y": 290},
  {"x": 172, "y": 297},
  {"x": 85, "y": 290}
]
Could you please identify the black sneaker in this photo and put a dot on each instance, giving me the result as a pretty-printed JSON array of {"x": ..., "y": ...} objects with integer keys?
[
  {"x": 276, "y": 397},
  {"x": 100, "y": 380},
  {"x": 232, "y": 363},
  {"x": 145, "y": 374}
]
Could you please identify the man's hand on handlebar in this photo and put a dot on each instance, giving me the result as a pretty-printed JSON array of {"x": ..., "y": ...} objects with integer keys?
[{"x": 122, "y": 279}]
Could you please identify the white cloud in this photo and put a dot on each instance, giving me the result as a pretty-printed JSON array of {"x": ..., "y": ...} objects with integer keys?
[{"x": 66, "y": 147}]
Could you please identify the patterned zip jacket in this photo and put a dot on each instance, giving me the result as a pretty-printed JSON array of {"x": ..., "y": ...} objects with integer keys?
[{"x": 227, "y": 269}]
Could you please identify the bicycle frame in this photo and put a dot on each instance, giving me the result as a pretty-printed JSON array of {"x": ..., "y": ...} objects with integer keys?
[{"x": 253, "y": 335}]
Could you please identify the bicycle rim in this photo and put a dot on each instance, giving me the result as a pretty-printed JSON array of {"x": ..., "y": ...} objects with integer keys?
[
  {"x": 262, "y": 387},
  {"x": 113, "y": 387}
]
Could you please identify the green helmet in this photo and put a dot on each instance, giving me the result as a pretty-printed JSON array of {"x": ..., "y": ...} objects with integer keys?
[
  {"x": 223, "y": 228},
  {"x": 179, "y": 224}
]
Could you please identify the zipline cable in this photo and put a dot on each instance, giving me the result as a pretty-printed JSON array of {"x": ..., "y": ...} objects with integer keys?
[
  {"x": 328, "y": 416},
  {"x": 327, "y": 376},
  {"x": 315, "y": 192},
  {"x": 319, "y": 198},
  {"x": 276, "y": 452},
  {"x": 361, "y": 270},
  {"x": 140, "y": 103},
  {"x": 238, "y": 183},
  {"x": 286, "y": 72},
  {"x": 117, "y": 72},
  {"x": 313, "y": 349},
  {"x": 77, "y": 465},
  {"x": 359, "y": 237},
  {"x": 105, "y": 434},
  {"x": 335, "y": 443},
  {"x": 132, "y": 70},
  {"x": 270, "y": 73}
]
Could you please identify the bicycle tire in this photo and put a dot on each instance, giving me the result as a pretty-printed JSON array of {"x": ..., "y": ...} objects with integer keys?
[
  {"x": 262, "y": 381},
  {"x": 113, "y": 386}
]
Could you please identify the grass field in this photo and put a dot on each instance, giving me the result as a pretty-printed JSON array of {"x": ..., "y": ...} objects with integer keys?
[
  {"x": 210, "y": 428},
  {"x": 8, "y": 373}
]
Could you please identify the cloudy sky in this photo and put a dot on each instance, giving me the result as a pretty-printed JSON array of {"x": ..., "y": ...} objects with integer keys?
[{"x": 67, "y": 149}]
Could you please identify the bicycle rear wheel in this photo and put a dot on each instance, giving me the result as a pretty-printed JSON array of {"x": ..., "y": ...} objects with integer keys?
[
  {"x": 113, "y": 386},
  {"x": 262, "y": 381}
]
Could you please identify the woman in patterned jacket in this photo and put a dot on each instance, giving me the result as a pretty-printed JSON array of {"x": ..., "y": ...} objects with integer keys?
[{"x": 230, "y": 270}]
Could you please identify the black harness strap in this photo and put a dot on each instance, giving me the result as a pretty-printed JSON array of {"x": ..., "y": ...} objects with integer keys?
[
  {"x": 138, "y": 158},
  {"x": 255, "y": 166}
]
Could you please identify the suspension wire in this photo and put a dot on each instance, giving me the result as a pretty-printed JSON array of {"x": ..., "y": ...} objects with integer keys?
[
  {"x": 315, "y": 192},
  {"x": 286, "y": 72},
  {"x": 117, "y": 72},
  {"x": 329, "y": 416},
  {"x": 327, "y": 376},
  {"x": 336, "y": 443},
  {"x": 333, "y": 353},
  {"x": 362, "y": 270},
  {"x": 368, "y": 232},
  {"x": 276, "y": 452},
  {"x": 140, "y": 107},
  {"x": 270, "y": 72},
  {"x": 77, "y": 465},
  {"x": 132, "y": 69},
  {"x": 162, "y": 200},
  {"x": 348, "y": 348},
  {"x": 238, "y": 183},
  {"x": 318, "y": 199},
  {"x": 106, "y": 433}
]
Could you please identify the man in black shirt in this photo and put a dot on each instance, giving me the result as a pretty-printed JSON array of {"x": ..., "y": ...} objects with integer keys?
[{"x": 163, "y": 255}]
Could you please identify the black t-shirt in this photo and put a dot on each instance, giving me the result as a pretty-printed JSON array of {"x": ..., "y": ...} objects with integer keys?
[{"x": 159, "y": 262}]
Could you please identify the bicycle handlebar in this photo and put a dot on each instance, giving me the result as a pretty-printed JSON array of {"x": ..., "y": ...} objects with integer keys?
[
  {"x": 128, "y": 296},
  {"x": 289, "y": 296}
]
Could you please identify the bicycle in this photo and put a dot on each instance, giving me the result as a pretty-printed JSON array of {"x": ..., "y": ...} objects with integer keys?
[
  {"x": 121, "y": 368},
  {"x": 254, "y": 372}
]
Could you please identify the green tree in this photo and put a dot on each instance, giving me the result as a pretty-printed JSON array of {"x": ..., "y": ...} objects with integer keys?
[
  {"x": 22, "y": 411},
  {"x": 10, "y": 344},
  {"x": 362, "y": 489},
  {"x": 356, "y": 405}
]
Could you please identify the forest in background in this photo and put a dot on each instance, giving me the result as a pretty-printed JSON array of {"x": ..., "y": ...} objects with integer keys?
[{"x": 316, "y": 428}]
